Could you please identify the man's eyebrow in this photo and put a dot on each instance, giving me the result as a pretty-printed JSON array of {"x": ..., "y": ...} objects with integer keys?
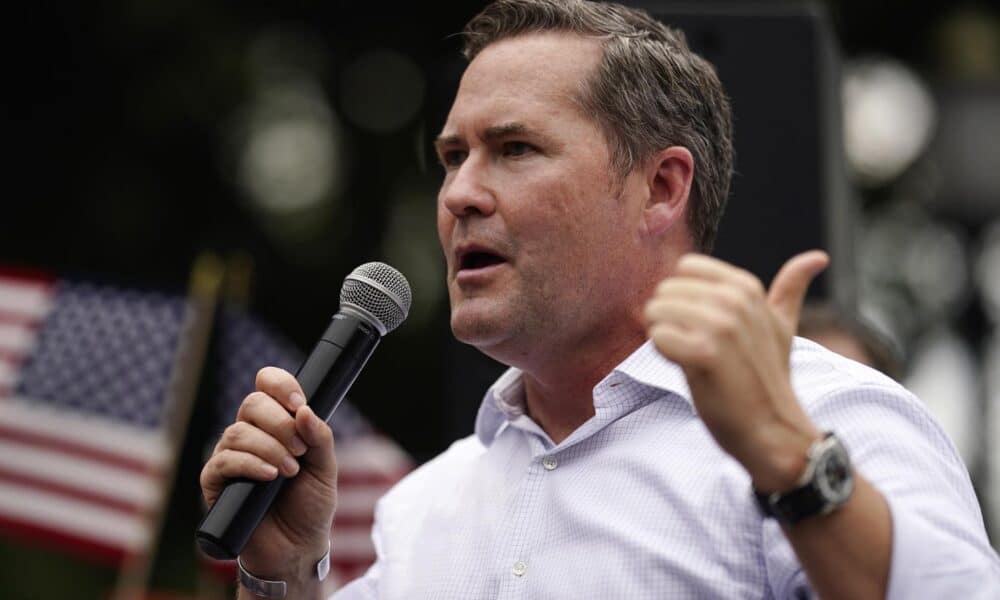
[
  {"x": 491, "y": 134},
  {"x": 447, "y": 140},
  {"x": 506, "y": 130}
]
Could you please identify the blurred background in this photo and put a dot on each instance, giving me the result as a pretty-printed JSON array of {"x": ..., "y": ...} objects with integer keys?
[{"x": 211, "y": 171}]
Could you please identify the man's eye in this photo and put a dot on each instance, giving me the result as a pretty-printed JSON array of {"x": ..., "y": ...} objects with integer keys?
[
  {"x": 453, "y": 158},
  {"x": 517, "y": 148}
]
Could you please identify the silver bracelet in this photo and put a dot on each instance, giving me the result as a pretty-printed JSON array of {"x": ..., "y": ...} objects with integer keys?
[{"x": 266, "y": 588}]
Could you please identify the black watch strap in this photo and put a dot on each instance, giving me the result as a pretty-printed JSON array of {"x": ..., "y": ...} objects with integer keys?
[
  {"x": 791, "y": 507},
  {"x": 826, "y": 484}
]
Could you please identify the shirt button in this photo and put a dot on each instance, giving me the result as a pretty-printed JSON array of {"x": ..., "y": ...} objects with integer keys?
[
  {"x": 519, "y": 568},
  {"x": 550, "y": 462}
]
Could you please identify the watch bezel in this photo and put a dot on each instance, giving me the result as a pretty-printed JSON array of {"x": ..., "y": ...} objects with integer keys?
[{"x": 833, "y": 494}]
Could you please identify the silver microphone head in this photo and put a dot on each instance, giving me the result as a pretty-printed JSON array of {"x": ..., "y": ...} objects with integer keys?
[{"x": 378, "y": 294}]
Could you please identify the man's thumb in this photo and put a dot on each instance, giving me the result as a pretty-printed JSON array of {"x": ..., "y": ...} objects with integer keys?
[{"x": 788, "y": 290}]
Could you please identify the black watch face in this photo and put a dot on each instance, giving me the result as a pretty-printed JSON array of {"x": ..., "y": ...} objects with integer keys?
[{"x": 833, "y": 476}]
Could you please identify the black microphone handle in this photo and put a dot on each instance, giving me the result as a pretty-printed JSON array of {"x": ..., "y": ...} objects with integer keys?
[{"x": 325, "y": 377}]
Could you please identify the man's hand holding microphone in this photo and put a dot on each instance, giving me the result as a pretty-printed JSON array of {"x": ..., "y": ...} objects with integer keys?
[
  {"x": 276, "y": 432},
  {"x": 271, "y": 482}
]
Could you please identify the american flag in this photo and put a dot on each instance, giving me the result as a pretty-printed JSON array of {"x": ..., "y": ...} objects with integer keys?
[
  {"x": 87, "y": 386},
  {"x": 369, "y": 463}
]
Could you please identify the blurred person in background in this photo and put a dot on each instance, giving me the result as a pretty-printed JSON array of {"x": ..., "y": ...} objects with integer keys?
[
  {"x": 850, "y": 336},
  {"x": 684, "y": 446}
]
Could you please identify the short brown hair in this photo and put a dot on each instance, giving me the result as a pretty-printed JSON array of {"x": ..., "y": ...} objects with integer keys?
[{"x": 649, "y": 92}]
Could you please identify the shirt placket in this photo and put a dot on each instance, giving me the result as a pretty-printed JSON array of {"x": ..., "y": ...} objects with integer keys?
[
  {"x": 525, "y": 521},
  {"x": 521, "y": 537}
]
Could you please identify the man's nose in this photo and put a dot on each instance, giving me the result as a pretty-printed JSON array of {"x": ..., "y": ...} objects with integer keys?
[{"x": 468, "y": 191}]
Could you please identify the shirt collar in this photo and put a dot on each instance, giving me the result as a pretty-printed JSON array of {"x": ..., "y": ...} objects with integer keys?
[{"x": 504, "y": 401}]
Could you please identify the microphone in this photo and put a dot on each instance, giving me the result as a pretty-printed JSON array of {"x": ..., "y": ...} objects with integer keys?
[{"x": 374, "y": 300}]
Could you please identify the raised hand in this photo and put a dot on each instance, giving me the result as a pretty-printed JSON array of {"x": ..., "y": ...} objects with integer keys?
[{"x": 732, "y": 338}]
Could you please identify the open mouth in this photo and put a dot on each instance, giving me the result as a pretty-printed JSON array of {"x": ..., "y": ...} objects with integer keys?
[{"x": 479, "y": 260}]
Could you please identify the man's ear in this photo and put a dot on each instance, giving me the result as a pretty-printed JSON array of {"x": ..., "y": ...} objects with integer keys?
[{"x": 669, "y": 173}]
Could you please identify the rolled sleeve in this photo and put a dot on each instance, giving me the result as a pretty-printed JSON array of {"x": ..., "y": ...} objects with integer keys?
[
  {"x": 928, "y": 562},
  {"x": 939, "y": 543}
]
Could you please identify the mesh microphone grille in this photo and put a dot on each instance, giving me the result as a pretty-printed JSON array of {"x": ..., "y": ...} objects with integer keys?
[{"x": 379, "y": 290}]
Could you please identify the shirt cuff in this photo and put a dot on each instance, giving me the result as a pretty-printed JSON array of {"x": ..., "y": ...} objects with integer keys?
[{"x": 931, "y": 562}]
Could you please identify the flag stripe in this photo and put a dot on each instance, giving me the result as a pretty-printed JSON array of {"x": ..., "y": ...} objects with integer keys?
[
  {"x": 353, "y": 501},
  {"x": 15, "y": 340},
  {"x": 113, "y": 443},
  {"x": 17, "y": 275},
  {"x": 30, "y": 299},
  {"x": 370, "y": 478},
  {"x": 374, "y": 453},
  {"x": 361, "y": 521},
  {"x": 72, "y": 471},
  {"x": 7, "y": 374},
  {"x": 74, "y": 448},
  {"x": 83, "y": 547},
  {"x": 48, "y": 485},
  {"x": 352, "y": 544},
  {"x": 11, "y": 357},
  {"x": 69, "y": 516},
  {"x": 19, "y": 319},
  {"x": 351, "y": 568}
]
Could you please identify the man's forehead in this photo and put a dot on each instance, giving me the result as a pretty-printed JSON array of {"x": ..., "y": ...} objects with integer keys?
[
  {"x": 534, "y": 59},
  {"x": 514, "y": 85},
  {"x": 560, "y": 46}
]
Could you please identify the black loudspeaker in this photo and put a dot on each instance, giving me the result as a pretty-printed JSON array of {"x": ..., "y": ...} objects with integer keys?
[{"x": 779, "y": 66}]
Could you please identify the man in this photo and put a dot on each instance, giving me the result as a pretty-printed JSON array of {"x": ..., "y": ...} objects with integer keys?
[{"x": 587, "y": 158}]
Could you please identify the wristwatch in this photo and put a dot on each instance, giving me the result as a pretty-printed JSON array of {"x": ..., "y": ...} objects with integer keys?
[
  {"x": 275, "y": 589},
  {"x": 826, "y": 485}
]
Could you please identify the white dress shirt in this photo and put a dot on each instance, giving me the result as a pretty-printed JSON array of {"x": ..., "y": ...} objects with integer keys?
[{"x": 640, "y": 502}]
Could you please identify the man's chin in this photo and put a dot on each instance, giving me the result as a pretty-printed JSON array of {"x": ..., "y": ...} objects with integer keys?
[
  {"x": 480, "y": 328},
  {"x": 474, "y": 333}
]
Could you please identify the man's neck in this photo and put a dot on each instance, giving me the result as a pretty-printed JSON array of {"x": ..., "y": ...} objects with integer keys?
[{"x": 559, "y": 397}]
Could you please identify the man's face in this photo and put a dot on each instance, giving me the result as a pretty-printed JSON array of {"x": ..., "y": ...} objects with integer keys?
[{"x": 540, "y": 245}]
